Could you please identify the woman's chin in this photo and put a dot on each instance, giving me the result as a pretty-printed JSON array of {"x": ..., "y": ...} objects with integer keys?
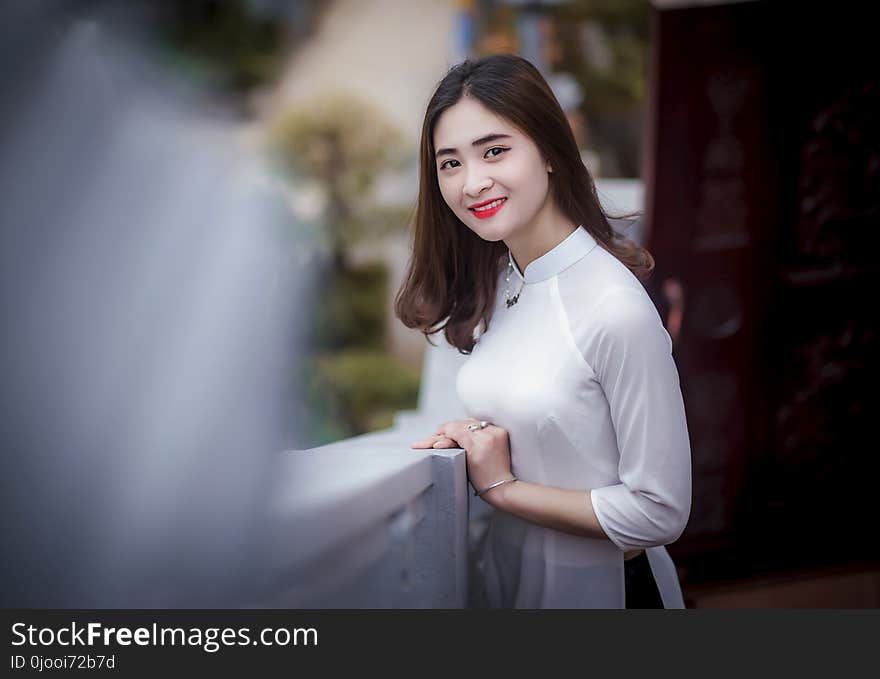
[{"x": 488, "y": 232}]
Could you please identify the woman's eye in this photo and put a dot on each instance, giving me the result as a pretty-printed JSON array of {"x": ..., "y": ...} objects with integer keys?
[
  {"x": 445, "y": 164},
  {"x": 500, "y": 150}
]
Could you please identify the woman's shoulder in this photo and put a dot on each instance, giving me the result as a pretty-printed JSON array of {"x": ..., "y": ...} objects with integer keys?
[
  {"x": 602, "y": 289},
  {"x": 608, "y": 310}
]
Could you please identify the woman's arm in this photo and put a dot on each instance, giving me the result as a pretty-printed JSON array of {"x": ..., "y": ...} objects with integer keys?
[
  {"x": 569, "y": 511},
  {"x": 488, "y": 456},
  {"x": 631, "y": 355},
  {"x": 488, "y": 461}
]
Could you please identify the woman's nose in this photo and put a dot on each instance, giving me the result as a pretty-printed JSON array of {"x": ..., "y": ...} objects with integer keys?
[{"x": 475, "y": 186}]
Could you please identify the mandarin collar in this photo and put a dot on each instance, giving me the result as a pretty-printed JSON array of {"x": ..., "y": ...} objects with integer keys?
[{"x": 568, "y": 251}]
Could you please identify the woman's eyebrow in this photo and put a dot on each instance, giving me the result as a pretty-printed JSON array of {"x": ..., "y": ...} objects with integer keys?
[{"x": 476, "y": 142}]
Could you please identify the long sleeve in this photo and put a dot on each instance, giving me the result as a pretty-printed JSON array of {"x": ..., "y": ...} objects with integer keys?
[{"x": 630, "y": 354}]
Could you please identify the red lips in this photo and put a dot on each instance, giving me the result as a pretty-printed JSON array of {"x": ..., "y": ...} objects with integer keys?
[
  {"x": 485, "y": 214},
  {"x": 485, "y": 202}
]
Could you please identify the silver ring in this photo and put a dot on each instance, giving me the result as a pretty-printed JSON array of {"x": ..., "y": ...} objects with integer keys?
[{"x": 482, "y": 425}]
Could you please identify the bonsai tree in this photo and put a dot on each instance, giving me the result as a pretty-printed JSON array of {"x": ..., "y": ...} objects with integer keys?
[{"x": 343, "y": 144}]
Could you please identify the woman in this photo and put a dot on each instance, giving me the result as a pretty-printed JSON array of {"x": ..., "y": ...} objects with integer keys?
[{"x": 577, "y": 433}]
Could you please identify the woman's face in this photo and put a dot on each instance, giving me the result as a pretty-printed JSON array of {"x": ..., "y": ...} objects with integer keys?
[{"x": 481, "y": 158}]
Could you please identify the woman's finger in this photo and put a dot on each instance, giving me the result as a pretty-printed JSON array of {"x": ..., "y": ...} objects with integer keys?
[{"x": 429, "y": 442}]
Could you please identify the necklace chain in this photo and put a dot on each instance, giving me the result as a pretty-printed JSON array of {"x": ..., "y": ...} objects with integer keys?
[{"x": 508, "y": 300}]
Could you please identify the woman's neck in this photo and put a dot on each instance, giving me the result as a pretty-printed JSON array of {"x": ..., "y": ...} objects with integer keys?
[{"x": 545, "y": 233}]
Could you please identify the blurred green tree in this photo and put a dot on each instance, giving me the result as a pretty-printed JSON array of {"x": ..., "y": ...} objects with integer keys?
[
  {"x": 605, "y": 45},
  {"x": 226, "y": 45},
  {"x": 343, "y": 145}
]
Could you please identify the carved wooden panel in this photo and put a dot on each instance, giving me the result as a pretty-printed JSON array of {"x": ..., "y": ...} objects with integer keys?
[{"x": 762, "y": 174}]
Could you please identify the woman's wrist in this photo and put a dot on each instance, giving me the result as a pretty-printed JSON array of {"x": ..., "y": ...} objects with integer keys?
[{"x": 495, "y": 494}]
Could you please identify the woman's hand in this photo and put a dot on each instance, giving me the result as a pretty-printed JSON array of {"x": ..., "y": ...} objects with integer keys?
[{"x": 487, "y": 450}]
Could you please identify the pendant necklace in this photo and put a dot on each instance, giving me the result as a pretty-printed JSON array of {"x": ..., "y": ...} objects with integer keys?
[{"x": 510, "y": 301}]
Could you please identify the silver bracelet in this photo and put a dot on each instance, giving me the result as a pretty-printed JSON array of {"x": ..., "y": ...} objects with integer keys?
[{"x": 478, "y": 493}]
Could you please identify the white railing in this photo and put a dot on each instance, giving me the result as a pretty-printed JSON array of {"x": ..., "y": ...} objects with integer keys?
[{"x": 369, "y": 522}]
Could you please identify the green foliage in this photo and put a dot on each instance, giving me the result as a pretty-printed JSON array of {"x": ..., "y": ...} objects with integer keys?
[
  {"x": 615, "y": 87},
  {"x": 351, "y": 311},
  {"x": 225, "y": 44},
  {"x": 352, "y": 385},
  {"x": 360, "y": 390},
  {"x": 343, "y": 144},
  {"x": 630, "y": 16},
  {"x": 339, "y": 140},
  {"x": 625, "y": 25},
  {"x": 374, "y": 221}
]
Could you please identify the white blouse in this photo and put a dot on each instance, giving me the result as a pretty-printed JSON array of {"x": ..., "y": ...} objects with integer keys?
[{"x": 580, "y": 373}]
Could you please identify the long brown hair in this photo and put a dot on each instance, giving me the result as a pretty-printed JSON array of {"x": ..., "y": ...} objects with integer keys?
[{"x": 453, "y": 273}]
